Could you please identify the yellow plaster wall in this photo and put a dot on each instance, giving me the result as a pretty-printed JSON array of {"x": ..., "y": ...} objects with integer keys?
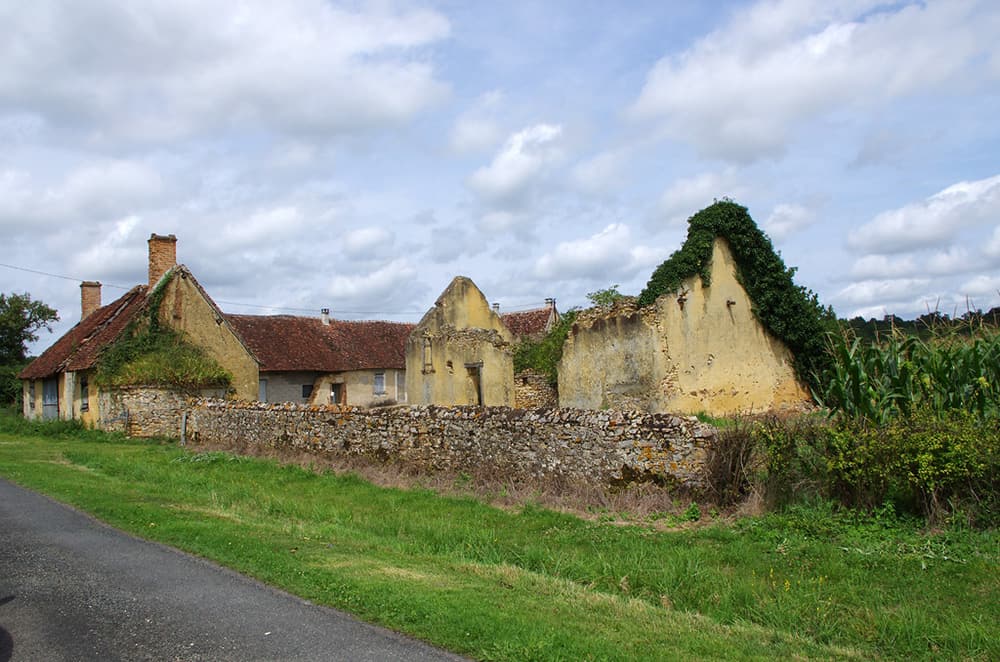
[
  {"x": 360, "y": 385},
  {"x": 705, "y": 353},
  {"x": 463, "y": 330},
  {"x": 185, "y": 309}
]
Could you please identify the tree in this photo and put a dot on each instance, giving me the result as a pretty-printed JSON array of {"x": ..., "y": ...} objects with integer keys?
[
  {"x": 20, "y": 320},
  {"x": 605, "y": 298}
]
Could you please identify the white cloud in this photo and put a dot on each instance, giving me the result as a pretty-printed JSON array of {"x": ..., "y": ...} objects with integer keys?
[
  {"x": 262, "y": 227},
  {"x": 787, "y": 219},
  {"x": 97, "y": 191},
  {"x": 174, "y": 68},
  {"x": 981, "y": 286},
  {"x": 519, "y": 165},
  {"x": 365, "y": 242},
  {"x": 992, "y": 248},
  {"x": 931, "y": 222},
  {"x": 602, "y": 173},
  {"x": 611, "y": 253},
  {"x": 113, "y": 253},
  {"x": 477, "y": 130},
  {"x": 956, "y": 260},
  {"x": 738, "y": 92},
  {"x": 868, "y": 292},
  {"x": 388, "y": 285},
  {"x": 688, "y": 195}
]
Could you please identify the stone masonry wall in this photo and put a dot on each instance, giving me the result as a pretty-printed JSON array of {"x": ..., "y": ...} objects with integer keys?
[
  {"x": 142, "y": 411},
  {"x": 533, "y": 390},
  {"x": 598, "y": 447}
]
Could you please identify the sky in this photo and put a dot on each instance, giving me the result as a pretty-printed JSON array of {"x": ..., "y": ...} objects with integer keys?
[{"x": 357, "y": 156}]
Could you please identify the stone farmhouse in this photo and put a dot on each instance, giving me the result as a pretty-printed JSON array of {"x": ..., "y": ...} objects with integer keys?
[{"x": 270, "y": 358}]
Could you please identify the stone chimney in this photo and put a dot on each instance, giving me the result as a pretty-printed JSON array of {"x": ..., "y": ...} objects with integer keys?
[
  {"x": 496, "y": 308},
  {"x": 162, "y": 256},
  {"x": 551, "y": 304},
  {"x": 324, "y": 316},
  {"x": 90, "y": 298}
]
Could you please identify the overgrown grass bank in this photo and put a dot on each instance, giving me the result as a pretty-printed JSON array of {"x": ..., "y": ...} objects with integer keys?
[{"x": 810, "y": 582}]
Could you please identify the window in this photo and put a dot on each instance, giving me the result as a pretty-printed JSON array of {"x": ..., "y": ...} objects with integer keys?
[
  {"x": 337, "y": 394},
  {"x": 379, "y": 383},
  {"x": 84, "y": 395},
  {"x": 31, "y": 393},
  {"x": 428, "y": 362},
  {"x": 307, "y": 391}
]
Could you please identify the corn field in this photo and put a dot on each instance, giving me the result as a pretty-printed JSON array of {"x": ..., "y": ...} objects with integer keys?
[{"x": 880, "y": 382}]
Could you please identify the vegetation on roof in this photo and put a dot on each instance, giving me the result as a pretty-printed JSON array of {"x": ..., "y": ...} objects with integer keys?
[
  {"x": 792, "y": 313},
  {"x": 150, "y": 354}
]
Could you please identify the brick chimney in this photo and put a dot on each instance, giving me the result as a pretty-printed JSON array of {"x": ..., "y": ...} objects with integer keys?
[
  {"x": 162, "y": 256},
  {"x": 90, "y": 298}
]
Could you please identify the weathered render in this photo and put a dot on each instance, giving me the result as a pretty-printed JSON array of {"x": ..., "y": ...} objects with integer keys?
[
  {"x": 461, "y": 352},
  {"x": 699, "y": 350}
]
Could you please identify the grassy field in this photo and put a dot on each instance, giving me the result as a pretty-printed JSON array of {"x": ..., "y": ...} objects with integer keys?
[{"x": 532, "y": 584}]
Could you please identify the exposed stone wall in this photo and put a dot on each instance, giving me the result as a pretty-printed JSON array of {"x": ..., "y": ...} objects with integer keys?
[
  {"x": 533, "y": 390},
  {"x": 142, "y": 411},
  {"x": 599, "y": 447}
]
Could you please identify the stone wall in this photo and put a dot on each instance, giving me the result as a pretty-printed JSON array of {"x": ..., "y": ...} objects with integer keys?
[
  {"x": 533, "y": 390},
  {"x": 142, "y": 411},
  {"x": 600, "y": 447}
]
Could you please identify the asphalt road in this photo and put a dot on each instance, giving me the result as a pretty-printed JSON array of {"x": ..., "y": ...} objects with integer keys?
[{"x": 72, "y": 588}]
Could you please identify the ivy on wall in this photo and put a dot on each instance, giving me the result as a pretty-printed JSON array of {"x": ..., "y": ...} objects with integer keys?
[
  {"x": 149, "y": 354},
  {"x": 791, "y": 313}
]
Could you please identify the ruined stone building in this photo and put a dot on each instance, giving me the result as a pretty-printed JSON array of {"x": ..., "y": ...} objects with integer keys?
[
  {"x": 699, "y": 349},
  {"x": 461, "y": 352}
]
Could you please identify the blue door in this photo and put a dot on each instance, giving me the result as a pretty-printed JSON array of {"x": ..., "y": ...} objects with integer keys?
[{"x": 50, "y": 399}]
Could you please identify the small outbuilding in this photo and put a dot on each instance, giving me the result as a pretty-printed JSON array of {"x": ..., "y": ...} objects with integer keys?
[{"x": 461, "y": 352}]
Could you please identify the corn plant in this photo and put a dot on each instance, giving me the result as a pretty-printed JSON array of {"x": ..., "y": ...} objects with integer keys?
[{"x": 879, "y": 382}]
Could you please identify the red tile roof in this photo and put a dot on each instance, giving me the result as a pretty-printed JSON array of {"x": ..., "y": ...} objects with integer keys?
[
  {"x": 80, "y": 347},
  {"x": 288, "y": 343},
  {"x": 528, "y": 322}
]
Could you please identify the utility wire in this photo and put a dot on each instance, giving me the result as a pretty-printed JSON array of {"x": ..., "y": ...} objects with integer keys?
[
  {"x": 512, "y": 308},
  {"x": 45, "y": 273}
]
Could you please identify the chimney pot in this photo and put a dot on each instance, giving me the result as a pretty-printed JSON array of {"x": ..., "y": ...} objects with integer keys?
[
  {"x": 324, "y": 316},
  {"x": 90, "y": 298},
  {"x": 496, "y": 308},
  {"x": 162, "y": 256}
]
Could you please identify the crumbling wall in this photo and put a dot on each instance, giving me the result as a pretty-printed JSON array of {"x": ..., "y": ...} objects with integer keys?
[
  {"x": 588, "y": 446},
  {"x": 700, "y": 349}
]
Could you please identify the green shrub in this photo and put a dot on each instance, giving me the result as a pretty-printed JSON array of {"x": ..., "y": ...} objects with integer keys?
[
  {"x": 932, "y": 463},
  {"x": 543, "y": 356},
  {"x": 10, "y": 385}
]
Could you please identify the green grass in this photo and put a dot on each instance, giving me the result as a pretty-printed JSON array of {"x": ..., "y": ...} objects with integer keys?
[{"x": 534, "y": 584}]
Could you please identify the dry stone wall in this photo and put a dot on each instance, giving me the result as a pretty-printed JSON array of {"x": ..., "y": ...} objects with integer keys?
[
  {"x": 600, "y": 447},
  {"x": 142, "y": 411},
  {"x": 533, "y": 390}
]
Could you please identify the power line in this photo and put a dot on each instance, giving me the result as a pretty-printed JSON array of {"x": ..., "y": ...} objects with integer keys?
[
  {"x": 45, "y": 273},
  {"x": 510, "y": 308}
]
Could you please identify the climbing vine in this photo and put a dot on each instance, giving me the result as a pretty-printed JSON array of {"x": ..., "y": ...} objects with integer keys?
[
  {"x": 792, "y": 313},
  {"x": 148, "y": 353}
]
